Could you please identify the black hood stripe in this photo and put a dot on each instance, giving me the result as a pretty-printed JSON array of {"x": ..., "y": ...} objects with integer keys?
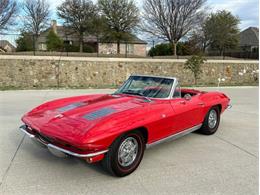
[
  {"x": 71, "y": 106},
  {"x": 99, "y": 113}
]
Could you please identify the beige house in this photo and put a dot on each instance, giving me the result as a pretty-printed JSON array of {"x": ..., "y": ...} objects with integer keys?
[
  {"x": 249, "y": 39},
  {"x": 6, "y": 46},
  {"x": 134, "y": 47}
]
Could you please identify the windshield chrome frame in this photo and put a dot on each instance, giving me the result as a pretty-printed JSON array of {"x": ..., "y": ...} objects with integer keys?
[{"x": 174, "y": 84}]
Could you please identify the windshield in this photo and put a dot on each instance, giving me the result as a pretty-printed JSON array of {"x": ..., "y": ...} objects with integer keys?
[{"x": 154, "y": 87}]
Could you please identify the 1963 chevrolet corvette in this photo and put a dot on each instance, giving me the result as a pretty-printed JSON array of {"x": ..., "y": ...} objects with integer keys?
[{"x": 116, "y": 128}]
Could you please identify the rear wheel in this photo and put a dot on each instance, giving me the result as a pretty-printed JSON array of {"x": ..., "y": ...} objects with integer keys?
[
  {"x": 125, "y": 154},
  {"x": 211, "y": 121}
]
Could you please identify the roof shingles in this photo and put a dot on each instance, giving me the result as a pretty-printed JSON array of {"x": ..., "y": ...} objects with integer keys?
[{"x": 249, "y": 37}]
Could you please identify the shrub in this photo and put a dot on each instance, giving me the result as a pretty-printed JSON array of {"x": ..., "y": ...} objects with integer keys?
[
  {"x": 163, "y": 49},
  {"x": 194, "y": 65},
  {"x": 183, "y": 49}
]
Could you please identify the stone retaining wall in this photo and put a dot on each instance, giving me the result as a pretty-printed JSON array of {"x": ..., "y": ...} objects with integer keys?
[{"x": 45, "y": 71}]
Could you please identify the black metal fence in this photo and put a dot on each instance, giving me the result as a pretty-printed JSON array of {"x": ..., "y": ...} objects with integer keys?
[{"x": 237, "y": 54}]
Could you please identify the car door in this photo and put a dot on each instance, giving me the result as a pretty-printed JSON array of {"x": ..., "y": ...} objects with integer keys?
[
  {"x": 187, "y": 112},
  {"x": 161, "y": 117}
]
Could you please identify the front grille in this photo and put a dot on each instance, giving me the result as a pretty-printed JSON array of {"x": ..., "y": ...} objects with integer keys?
[
  {"x": 39, "y": 135},
  {"x": 47, "y": 139}
]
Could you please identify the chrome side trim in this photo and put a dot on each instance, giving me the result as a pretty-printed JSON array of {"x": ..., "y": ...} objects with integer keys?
[
  {"x": 229, "y": 106},
  {"x": 23, "y": 129},
  {"x": 175, "y": 136}
]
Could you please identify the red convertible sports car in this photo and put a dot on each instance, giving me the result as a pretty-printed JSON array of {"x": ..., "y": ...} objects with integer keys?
[{"x": 116, "y": 128}]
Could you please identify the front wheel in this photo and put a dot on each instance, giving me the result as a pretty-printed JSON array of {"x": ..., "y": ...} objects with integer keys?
[
  {"x": 211, "y": 121},
  {"x": 125, "y": 154}
]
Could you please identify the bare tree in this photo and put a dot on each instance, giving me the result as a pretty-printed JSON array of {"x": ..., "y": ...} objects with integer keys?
[
  {"x": 200, "y": 36},
  {"x": 78, "y": 14},
  {"x": 36, "y": 16},
  {"x": 121, "y": 17},
  {"x": 7, "y": 11},
  {"x": 171, "y": 20}
]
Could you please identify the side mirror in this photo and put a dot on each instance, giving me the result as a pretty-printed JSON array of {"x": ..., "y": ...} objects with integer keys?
[{"x": 187, "y": 97}]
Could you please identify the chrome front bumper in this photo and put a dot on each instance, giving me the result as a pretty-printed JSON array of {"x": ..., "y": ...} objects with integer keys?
[
  {"x": 51, "y": 146},
  {"x": 229, "y": 106}
]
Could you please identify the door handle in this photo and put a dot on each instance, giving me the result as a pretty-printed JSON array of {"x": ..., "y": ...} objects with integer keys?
[
  {"x": 201, "y": 104},
  {"x": 182, "y": 102}
]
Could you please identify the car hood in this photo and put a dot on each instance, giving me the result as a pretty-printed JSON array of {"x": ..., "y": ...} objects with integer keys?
[{"x": 71, "y": 118}]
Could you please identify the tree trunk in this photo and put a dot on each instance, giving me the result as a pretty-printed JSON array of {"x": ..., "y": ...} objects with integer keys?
[
  {"x": 81, "y": 42},
  {"x": 174, "y": 49},
  {"x": 118, "y": 47},
  {"x": 221, "y": 52},
  {"x": 36, "y": 43},
  {"x": 204, "y": 48}
]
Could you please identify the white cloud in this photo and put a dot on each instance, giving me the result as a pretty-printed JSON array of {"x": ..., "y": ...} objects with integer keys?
[{"x": 246, "y": 10}]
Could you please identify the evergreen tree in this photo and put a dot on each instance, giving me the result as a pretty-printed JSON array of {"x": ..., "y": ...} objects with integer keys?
[
  {"x": 54, "y": 43},
  {"x": 24, "y": 42}
]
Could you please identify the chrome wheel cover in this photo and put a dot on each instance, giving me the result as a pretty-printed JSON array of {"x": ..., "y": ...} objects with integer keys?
[
  {"x": 213, "y": 118},
  {"x": 127, "y": 151}
]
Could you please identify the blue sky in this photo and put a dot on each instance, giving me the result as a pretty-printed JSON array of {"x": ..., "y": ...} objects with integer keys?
[{"x": 246, "y": 10}]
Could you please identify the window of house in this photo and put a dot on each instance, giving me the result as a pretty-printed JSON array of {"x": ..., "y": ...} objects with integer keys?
[
  {"x": 67, "y": 42},
  {"x": 42, "y": 46},
  {"x": 130, "y": 48}
]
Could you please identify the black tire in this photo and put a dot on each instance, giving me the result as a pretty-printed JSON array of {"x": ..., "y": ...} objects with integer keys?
[
  {"x": 111, "y": 161},
  {"x": 207, "y": 128}
]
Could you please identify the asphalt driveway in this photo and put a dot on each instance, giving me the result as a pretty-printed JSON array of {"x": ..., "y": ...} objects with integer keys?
[{"x": 224, "y": 163}]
